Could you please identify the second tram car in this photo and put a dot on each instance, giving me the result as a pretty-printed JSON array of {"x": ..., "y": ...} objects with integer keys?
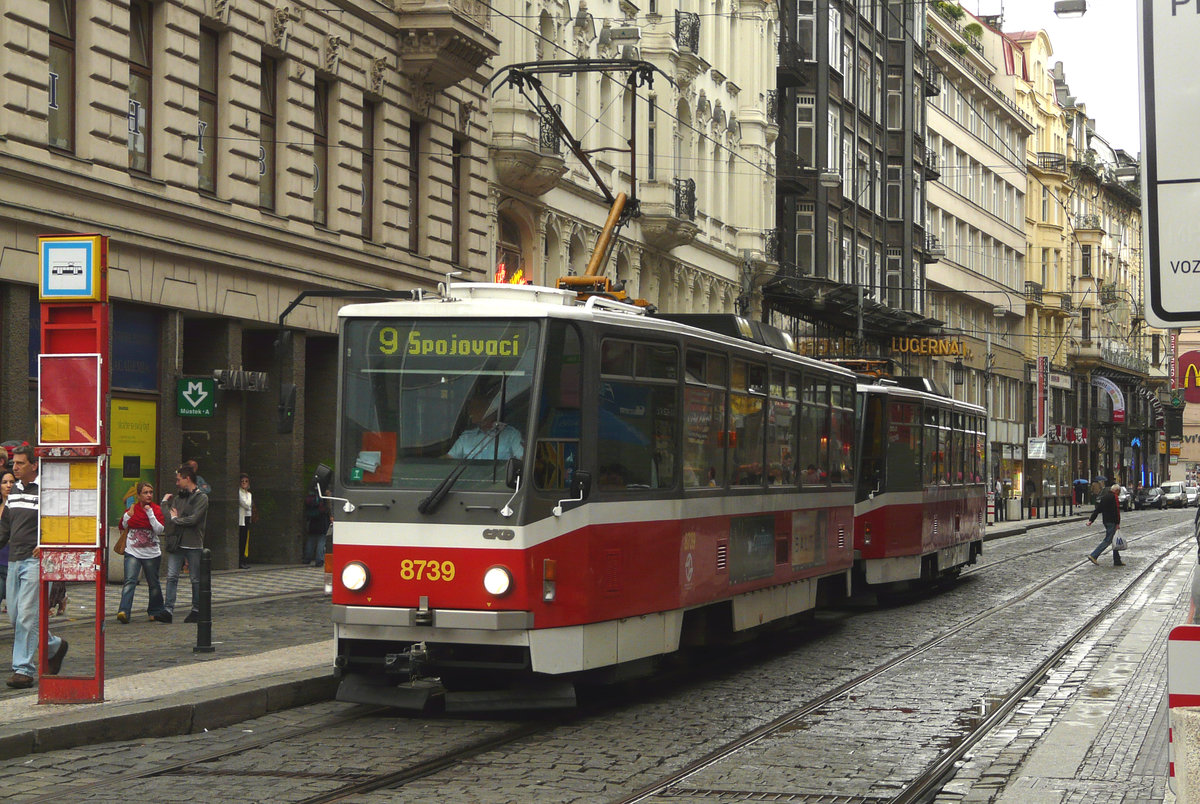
[
  {"x": 920, "y": 501},
  {"x": 533, "y": 489}
]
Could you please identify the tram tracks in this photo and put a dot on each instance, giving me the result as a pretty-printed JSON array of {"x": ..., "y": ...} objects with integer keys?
[
  {"x": 930, "y": 781},
  {"x": 349, "y": 782}
]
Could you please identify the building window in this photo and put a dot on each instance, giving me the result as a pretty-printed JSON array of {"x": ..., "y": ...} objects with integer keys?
[
  {"x": 805, "y": 137},
  {"x": 206, "y": 131},
  {"x": 1045, "y": 203},
  {"x": 415, "y": 133},
  {"x": 805, "y": 216},
  {"x": 1085, "y": 324},
  {"x": 321, "y": 153},
  {"x": 894, "y": 173},
  {"x": 805, "y": 25},
  {"x": 510, "y": 250},
  {"x": 368, "y": 171},
  {"x": 61, "y": 86},
  {"x": 833, "y": 150},
  {"x": 650, "y": 139},
  {"x": 895, "y": 102},
  {"x": 893, "y": 296},
  {"x": 1085, "y": 260},
  {"x": 140, "y": 48},
  {"x": 835, "y": 39},
  {"x": 266, "y": 134}
]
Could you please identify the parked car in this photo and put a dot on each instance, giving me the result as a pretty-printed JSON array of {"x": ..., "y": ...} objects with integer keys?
[
  {"x": 1173, "y": 495},
  {"x": 1148, "y": 497},
  {"x": 1193, "y": 495},
  {"x": 1125, "y": 499}
]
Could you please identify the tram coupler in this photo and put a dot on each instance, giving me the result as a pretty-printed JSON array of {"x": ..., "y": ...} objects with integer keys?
[{"x": 410, "y": 661}]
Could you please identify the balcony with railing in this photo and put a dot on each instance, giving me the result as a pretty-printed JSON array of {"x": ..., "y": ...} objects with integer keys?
[
  {"x": 1088, "y": 221},
  {"x": 795, "y": 55},
  {"x": 526, "y": 152},
  {"x": 931, "y": 249},
  {"x": 789, "y": 171},
  {"x": 931, "y": 164},
  {"x": 668, "y": 213},
  {"x": 1033, "y": 292},
  {"x": 1050, "y": 162}
]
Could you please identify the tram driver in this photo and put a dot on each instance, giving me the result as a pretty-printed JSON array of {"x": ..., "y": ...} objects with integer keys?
[{"x": 486, "y": 438}]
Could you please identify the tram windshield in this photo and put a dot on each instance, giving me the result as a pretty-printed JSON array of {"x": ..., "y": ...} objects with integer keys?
[{"x": 421, "y": 396}]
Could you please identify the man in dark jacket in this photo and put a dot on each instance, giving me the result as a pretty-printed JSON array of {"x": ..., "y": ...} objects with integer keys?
[
  {"x": 188, "y": 514},
  {"x": 19, "y": 528},
  {"x": 1109, "y": 510}
]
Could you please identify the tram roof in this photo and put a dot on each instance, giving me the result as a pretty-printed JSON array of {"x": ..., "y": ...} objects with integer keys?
[
  {"x": 494, "y": 300},
  {"x": 916, "y": 394}
]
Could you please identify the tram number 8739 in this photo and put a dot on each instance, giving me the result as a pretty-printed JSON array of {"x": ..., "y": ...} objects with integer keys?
[{"x": 418, "y": 570}]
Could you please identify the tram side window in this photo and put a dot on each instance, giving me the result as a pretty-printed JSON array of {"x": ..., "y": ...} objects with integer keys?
[
  {"x": 903, "y": 472},
  {"x": 781, "y": 429},
  {"x": 748, "y": 388},
  {"x": 638, "y": 418},
  {"x": 954, "y": 452},
  {"x": 813, "y": 449},
  {"x": 980, "y": 450},
  {"x": 557, "y": 452},
  {"x": 935, "y": 448},
  {"x": 704, "y": 420},
  {"x": 841, "y": 435}
]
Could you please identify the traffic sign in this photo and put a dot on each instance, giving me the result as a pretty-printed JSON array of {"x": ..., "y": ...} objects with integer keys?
[
  {"x": 195, "y": 396},
  {"x": 1168, "y": 32}
]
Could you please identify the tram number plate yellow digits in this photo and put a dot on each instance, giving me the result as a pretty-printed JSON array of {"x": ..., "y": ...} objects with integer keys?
[{"x": 418, "y": 570}]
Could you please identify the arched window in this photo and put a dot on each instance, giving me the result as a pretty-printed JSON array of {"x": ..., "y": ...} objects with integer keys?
[{"x": 511, "y": 267}]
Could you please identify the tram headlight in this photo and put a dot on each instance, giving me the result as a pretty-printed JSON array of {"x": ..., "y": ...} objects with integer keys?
[
  {"x": 355, "y": 576},
  {"x": 497, "y": 581}
]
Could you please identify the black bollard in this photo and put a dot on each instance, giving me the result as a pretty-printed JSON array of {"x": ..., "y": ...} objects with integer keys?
[{"x": 204, "y": 625}]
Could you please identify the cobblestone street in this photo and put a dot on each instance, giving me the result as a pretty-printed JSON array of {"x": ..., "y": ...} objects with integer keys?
[{"x": 865, "y": 746}]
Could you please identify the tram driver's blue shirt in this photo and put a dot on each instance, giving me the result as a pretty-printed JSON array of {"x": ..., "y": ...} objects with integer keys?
[{"x": 477, "y": 444}]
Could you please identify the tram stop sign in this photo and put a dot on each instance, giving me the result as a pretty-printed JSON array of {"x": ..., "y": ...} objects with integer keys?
[
  {"x": 195, "y": 396},
  {"x": 1170, "y": 161},
  {"x": 1183, "y": 681}
]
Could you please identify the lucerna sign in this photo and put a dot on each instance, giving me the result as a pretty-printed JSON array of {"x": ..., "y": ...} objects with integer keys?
[{"x": 931, "y": 346}]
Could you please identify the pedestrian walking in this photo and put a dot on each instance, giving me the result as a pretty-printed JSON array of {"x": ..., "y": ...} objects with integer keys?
[
  {"x": 1109, "y": 510},
  {"x": 19, "y": 528},
  {"x": 999, "y": 503},
  {"x": 188, "y": 515},
  {"x": 144, "y": 522},
  {"x": 317, "y": 522},
  {"x": 245, "y": 518},
  {"x": 7, "y": 481}
]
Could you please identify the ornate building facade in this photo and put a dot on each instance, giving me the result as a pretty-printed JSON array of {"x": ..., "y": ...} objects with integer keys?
[
  {"x": 852, "y": 167},
  {"x": 704, "y": 166},
  {"x": 977, "y": 139},
  {"x": 236, "y": 155}
]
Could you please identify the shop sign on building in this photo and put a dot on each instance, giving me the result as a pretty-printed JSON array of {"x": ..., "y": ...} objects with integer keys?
[
  {"x": 1037, "y": 449},
  {"x": 1065, "y": 434}
]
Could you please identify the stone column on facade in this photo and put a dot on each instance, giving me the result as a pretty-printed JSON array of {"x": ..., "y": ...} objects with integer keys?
[
  {"x": 238, "y": 151},
  {"x": 170, "y": 432},
  {"x": 175, "y": 108},
  {"x": 102, "y": 110},
  {"x": 493, "y": 225},
  {"x": 17, "y": 395}
]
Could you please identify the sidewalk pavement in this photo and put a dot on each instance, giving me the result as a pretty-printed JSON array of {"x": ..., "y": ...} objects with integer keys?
[
  {"x": 277, "y": 653},
  {"x": 273, "y": 649}
]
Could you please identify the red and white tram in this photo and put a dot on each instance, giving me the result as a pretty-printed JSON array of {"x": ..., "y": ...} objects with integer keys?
[
  {"x": 534, "y": 489},
  {"x": 921, "y": 500}
]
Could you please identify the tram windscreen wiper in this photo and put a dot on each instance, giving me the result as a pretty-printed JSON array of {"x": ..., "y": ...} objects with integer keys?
[{"x": 431, "y": 502}]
